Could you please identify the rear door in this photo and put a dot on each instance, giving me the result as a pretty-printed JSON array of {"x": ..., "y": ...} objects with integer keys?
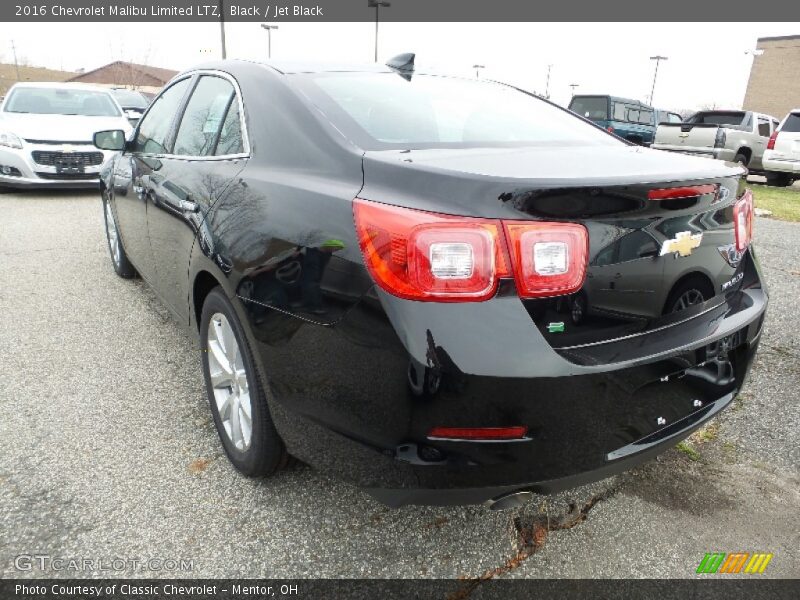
[{"x": 208, "y": 150}]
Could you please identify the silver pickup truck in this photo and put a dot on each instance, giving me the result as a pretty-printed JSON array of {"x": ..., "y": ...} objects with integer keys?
[{"x": 733, "y": 135}]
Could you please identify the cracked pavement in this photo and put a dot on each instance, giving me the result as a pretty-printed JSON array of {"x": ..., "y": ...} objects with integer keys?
[{"x": 107, "y": 450}]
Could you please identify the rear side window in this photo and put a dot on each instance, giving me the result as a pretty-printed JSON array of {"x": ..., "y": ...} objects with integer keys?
[
  {"x": 155, "y": 126},
  {"x": 230, "y": 137},
  {"x": 792, "y": 123},
  {"x": 674, "y": 118},
  {"x": 203, "y": 119},
  {"x": 763, "y": 127},
  {"x": 595, "y": 109}
]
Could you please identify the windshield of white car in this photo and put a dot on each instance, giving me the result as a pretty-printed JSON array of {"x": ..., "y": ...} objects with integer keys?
[
  {"x": 384, "y": 110},
  {"x": 61, "y": 101},
  {"x": 792, "y": 123}
]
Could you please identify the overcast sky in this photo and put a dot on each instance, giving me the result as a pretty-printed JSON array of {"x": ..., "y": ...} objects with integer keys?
[{"x": 707, "y": 62}]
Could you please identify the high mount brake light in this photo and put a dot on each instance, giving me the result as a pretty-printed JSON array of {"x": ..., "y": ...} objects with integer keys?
[
  {"x": 743, "y": 220},
  {"x": 684, "y": 191},
  {"x": 434, "y": 257}
]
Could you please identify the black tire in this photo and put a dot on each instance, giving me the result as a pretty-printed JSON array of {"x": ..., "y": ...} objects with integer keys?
[
  {"x": 779, "y": 179},
  {"x": 741, "y": 159},
  {"x": 122, "y": 266},
  {"x": 266, "y": 452},
  {"x": 578, "y": 308},
  {"x": 697, "y": 287}
]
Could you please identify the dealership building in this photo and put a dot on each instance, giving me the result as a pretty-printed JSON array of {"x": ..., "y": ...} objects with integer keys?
[{"x": 774, "y": 85}]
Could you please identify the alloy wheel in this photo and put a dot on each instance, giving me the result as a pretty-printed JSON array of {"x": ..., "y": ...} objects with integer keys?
[
  {"x": 229, "y": 385},
  {"x": 113, "y": 237},
  {"x": 687, "y": 299}
]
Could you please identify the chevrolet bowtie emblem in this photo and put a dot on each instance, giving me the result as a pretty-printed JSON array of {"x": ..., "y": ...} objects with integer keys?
[
  {"x": 683, "y": 135},
  {"x": 683, "y": 243}
]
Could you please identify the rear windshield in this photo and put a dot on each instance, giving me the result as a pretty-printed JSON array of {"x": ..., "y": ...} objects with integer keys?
[
  {"x": 130, "y": 99},
  {"x": 60, "y": 101},
  {"x": 384, "y": 110},
  {"x": 792, "y": 123},
  {"x": 718, "y": 118},
  {"x": 592, "y": 108}
]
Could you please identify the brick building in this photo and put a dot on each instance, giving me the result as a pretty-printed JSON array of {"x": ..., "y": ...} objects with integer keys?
[
  {"x": 127, "y": 74},
  {"x": 774, "y": 85}
]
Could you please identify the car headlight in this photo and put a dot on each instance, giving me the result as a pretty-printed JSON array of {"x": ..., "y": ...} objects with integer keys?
[{"x": 10, "y": 140}]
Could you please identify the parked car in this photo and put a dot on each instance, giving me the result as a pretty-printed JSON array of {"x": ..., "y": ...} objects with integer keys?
[
  {"x": 133, "y": 103},
  {"x": 733, "y": 135},
  {"x": 782, "y": 156},
  {"x": 46, "y": 132},
  {"x": 376, "y": 264},
  {"x": 628, "y": 119}
]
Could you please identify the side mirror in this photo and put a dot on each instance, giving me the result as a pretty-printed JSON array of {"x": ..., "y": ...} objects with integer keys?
[{"x": 110, "y": 140}]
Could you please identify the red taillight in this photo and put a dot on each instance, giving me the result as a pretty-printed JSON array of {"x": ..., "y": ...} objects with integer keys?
[
  {"x": 743, "y": 220},
  {"x": 610, "y": 129},
  {"x": 549, "y": 258},
  {"x": 772, "y": 139},
  {"x": 426, "y": 256},
  {"x": 684, "y": 191},
  {"x": 420, "y": 255},
  {"x": 478, "y": 433}
]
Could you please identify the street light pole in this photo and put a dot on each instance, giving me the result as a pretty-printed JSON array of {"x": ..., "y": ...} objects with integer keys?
[
  {"x": 269, "y": 29},
  {"x": 478, "y": 70},
  {"x": 658, "y": 59},
  {"x": 222, "y": 28},
  {"x": 376, "y": 4},
  {"x": 547, "y": 86}
]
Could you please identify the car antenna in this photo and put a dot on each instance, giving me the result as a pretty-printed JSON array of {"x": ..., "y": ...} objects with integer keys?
[{"x": 402, "y": 64}]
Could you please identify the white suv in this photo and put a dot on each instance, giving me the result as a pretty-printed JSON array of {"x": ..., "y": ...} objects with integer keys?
[
  {"x": 47, "y": 130},
  {"x": 782, "y": 156}
]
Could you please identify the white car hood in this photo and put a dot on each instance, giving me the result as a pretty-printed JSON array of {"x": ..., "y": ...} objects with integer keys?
[{"x": 60, "y": 128}]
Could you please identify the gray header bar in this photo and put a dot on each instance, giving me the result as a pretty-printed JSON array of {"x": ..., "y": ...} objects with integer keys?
[{"x": 401, "y": 11}]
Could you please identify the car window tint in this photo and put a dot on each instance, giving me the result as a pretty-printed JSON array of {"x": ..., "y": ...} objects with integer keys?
[
  {"x": 792, "y": 123},
  {"x": 763, "y": 127},
  {"x": 202, "y": 119},
  {"x": 230, "y": 137},
  {"x": 154, "y": 127}
]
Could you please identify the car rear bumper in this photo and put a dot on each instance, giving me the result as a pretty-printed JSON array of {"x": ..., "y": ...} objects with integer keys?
[
  {"x": 782, "y": 165},
  {"x": 359, "y": 395}
]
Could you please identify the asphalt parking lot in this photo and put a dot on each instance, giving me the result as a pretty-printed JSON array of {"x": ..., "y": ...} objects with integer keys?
[{"x": 107, "y": 449}]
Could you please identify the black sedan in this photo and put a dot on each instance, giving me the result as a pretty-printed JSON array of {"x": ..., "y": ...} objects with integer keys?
[{"x": 444, "y": 290}]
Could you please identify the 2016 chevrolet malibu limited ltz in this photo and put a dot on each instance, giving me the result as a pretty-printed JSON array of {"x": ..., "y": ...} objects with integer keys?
[{"x": 444, "y": 290}]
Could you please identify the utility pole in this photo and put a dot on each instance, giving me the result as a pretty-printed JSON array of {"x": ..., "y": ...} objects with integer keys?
[
  {"x": 547, "y": 86},
  {"x": 16, "y": 64},
  {"x": 222, "y": 28},
  {"x": 658, "y": 59},
  {"x": 573, "y": 86},
  {"x": 478, "y": 70},
  {"x": 269, "y": 29},
  {"x": 376, "y": 4}
]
